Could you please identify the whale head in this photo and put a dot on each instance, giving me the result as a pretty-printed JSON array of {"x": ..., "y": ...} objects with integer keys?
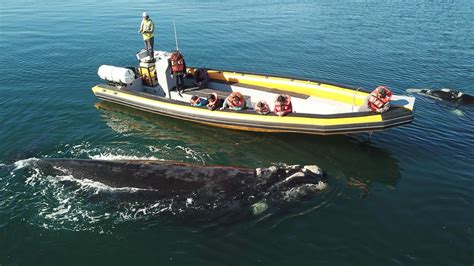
[{"x": 293, "y": 182}]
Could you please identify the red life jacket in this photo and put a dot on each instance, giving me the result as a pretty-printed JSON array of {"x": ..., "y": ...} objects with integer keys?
[
  {"x": 177, "y": 62},
  {"x": 285, "y": 107},
  {"x": 376, "y": 102},
  {"x": 264, "y": 109}
]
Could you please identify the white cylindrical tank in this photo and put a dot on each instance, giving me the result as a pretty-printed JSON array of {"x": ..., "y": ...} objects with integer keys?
[{"x": 116, "y": 74}]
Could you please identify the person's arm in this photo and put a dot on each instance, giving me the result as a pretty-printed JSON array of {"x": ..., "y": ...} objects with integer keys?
[
  {"x": 225, "y": 104},
  {"x": 141, "y": 27},
  {"x": 152, "y": 27},
  {"x": 289, "y": 110},
  {"x": 202, "y": 102},
  {"x": 266, "y": 108}
]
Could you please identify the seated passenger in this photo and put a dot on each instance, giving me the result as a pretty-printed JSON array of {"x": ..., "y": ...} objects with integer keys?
[
  {"x": 379, "y": 99},
  {"x": 283, "y": 105},
  {"x": 235, "y": 101},
  {"x": 262, "y": 108},
  {"x": 200, "y": 78},
  {"x": 198, "y": 101},
  {"x": 213, "y": 102}
]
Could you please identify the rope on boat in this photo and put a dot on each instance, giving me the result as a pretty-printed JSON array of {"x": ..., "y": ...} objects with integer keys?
[{"x": 353, "y": 99}]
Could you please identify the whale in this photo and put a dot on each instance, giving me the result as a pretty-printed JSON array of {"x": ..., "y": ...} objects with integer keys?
[
  {"x": 203, "y": 189},
  {"x": 448, "y": 95}
]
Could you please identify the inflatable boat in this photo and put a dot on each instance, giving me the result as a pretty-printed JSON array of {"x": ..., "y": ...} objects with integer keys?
[{"x": 318, "y": 107}]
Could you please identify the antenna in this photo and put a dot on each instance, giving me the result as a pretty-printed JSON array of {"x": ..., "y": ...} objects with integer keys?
[{"x": 175, "y": 35}]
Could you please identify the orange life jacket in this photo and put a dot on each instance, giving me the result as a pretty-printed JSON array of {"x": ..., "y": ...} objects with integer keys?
[
  {"x": 237, "y": 104},
  {"x": 376, "y": 102},
  {"x": 177, "y": 62}
]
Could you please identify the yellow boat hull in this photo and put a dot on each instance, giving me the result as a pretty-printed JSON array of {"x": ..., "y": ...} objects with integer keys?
[{"x": 342, "y": 123}]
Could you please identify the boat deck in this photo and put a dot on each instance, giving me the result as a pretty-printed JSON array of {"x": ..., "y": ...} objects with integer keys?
[{"x": 302, "y": 103}]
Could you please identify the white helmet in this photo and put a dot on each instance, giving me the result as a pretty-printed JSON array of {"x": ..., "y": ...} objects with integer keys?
[{"x": 145, "y": 14}]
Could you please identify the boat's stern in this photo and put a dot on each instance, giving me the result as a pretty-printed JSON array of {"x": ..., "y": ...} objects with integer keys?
[{"x": 151, "y": 76}]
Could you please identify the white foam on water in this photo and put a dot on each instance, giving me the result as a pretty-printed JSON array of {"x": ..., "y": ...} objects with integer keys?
[
  {"x": 192, "y": 154},
  {"x": 59, "y": 211},
  {"x": 412, "y": 90},
  {"x": 25, "y": 163},
  {"x": 83, "y": 148},
  {"x": 66, "y": 209},
  {"x": 76, "y": 146},
  {"x": 153, "y": 149},
  {"x": 136, "y": 210},
  {"x": 34, "y": 177},
  {"x": 86, "y": 149},
  {"x": 189, "y": 202},
  {"x": 112, "y": 157},
  {"x": 34, "y": 172}
]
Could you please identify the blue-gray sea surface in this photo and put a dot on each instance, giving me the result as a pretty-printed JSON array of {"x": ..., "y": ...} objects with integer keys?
[{"x": 404, "y": 198}]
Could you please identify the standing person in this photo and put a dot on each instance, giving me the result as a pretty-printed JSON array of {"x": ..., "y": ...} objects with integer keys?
[
  {"x": 178, "y": 68},
  {"x": 147, "y": 27}
]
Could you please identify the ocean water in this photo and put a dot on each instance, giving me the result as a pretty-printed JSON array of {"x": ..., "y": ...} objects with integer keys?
[{"x": 404, "y": 197}]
